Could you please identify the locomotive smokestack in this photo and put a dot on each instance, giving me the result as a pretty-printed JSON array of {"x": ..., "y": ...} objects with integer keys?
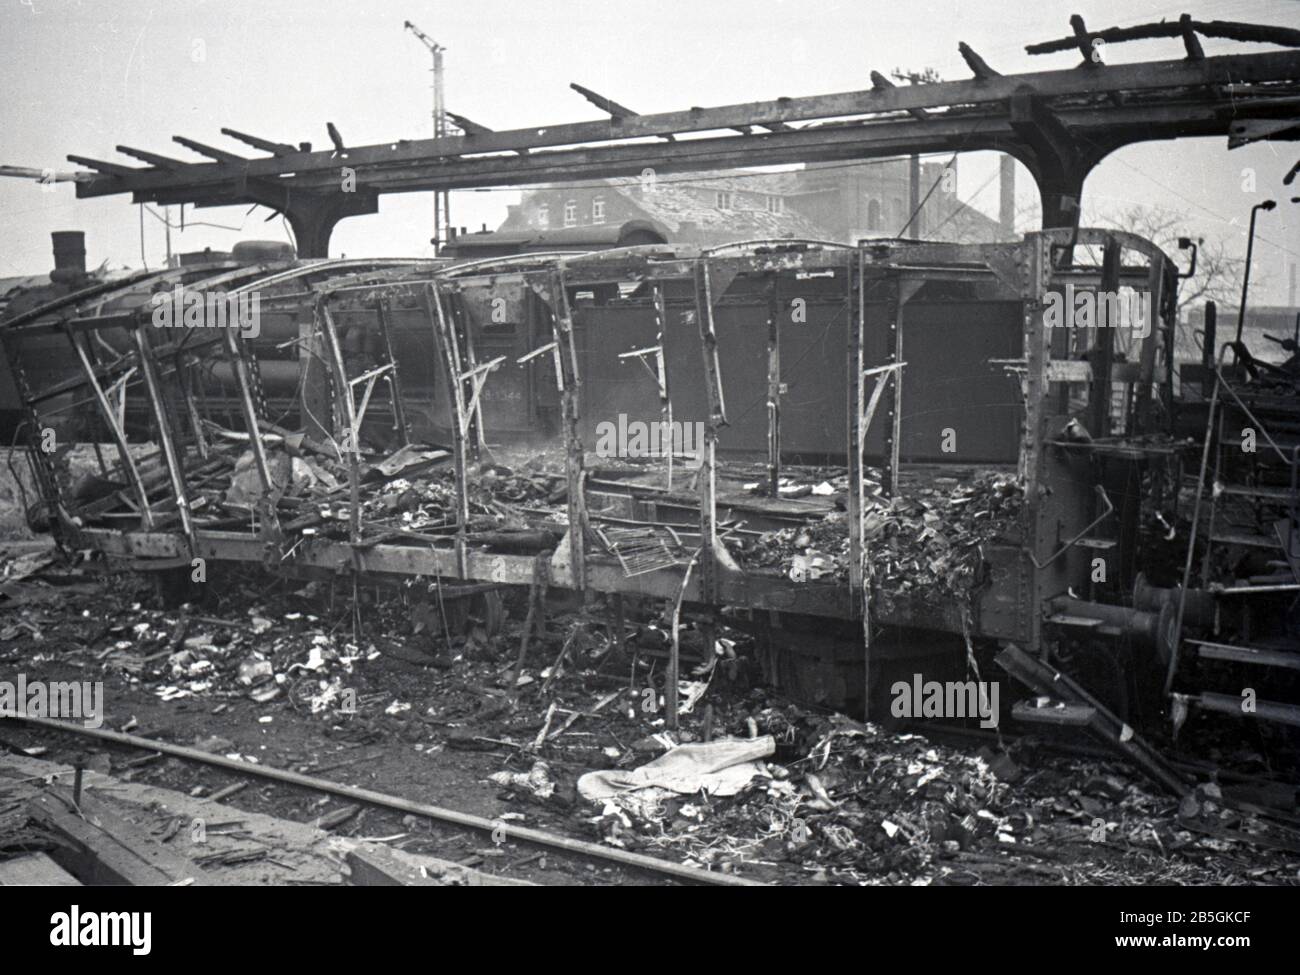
[{"x": 69, "y": 251}]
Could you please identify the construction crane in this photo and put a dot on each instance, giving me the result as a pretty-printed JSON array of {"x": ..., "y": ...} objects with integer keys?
[{"x": 441, "y": 198}]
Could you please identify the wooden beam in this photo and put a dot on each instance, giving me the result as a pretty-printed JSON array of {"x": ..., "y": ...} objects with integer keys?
[
  {"x": 113, "y": 169},
  {"x": 617, "y": 112},
  {"x": 152, "y": 158},
  {"x": 335, "y": 137},
  {"x": 35, "y": 870},
  {"x": 1134, "y": 123},
  {"x": 1256, "y": 33},
  {"x": 266, "y": 145},
  {"x": 468, "y": 126},
  {"x": 369, "y": 869},
  {"x": 979, "y": 67},
  {"x": 742, "y": 129},
  {"x": 1235, "y": 70},
  {"x": 220, "y": 155},
  {"x": 408, "y": 167},
  {"x": 881, "y": 83},
  {"x": 103, "y": 848},
  {"x": 604, "y": 104},
  {"x": 1252, "y": 130},
  {"x": 1191, "y": 42},
  {"x": 374, "y": 865},
  {"x": 1082, "y": 39},
  {"x": 1225, "y": 29},
  {"x": 813, "y": 143}
]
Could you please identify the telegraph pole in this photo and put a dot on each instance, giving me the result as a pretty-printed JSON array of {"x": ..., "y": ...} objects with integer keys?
[{"x": 441, "y": 198}]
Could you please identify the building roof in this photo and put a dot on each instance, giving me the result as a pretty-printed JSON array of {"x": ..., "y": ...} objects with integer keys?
[
  {"x": 961, "y": 223},
  {"x": 23, "y": 281},
  {"x": 782, "y": 183},
  {"x": 685, "y": 200},
  {"x": 676, "y": 205},
  {"x": 582, "y": 237}
]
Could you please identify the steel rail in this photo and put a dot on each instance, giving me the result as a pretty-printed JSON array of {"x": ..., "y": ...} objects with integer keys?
[{"x": 440, "y": 814}]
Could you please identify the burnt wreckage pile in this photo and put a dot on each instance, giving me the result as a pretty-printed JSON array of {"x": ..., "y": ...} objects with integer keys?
[{"x": 995, "y": 485}]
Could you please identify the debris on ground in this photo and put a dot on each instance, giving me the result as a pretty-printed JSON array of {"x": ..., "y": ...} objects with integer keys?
[
  {"x": 576, "y": 739},
  {"x": 925, "y": 545}
]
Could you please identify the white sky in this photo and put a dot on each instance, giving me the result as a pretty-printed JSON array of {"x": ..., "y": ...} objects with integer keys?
[{"x": 82, "y": 77}]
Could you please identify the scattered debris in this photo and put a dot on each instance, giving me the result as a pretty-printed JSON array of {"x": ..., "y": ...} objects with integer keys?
[{"x": 536, "y": 781}]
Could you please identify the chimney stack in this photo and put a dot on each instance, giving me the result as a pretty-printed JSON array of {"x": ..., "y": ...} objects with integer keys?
[{"x": 1007, "y": 195}]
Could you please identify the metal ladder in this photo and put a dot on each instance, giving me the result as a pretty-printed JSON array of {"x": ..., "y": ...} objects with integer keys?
[{"x": 1253, "y": 508}]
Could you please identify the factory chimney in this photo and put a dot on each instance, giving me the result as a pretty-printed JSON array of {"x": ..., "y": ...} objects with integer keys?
[{"x": 1007, "y": 196}]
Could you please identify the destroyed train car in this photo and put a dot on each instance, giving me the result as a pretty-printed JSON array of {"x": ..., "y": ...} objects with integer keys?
[{"x": 889, "y": 459}]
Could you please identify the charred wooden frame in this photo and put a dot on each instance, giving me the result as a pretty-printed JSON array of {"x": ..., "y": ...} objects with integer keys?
[
  {"x": 1059, "y": 124},
  {"x": 876, "y": 286}
]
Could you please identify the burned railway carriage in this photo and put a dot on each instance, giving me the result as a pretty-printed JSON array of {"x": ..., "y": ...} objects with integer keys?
[{"x": 992, "y": 477}]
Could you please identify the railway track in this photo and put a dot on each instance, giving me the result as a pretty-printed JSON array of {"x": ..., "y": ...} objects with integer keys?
[{"x": 500, "y": 831}]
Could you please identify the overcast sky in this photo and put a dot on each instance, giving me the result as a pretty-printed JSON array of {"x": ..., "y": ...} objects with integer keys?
[{"x": 82, "y": 77}]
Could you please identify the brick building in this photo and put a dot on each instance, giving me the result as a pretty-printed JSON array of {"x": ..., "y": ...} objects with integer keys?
[{"x": 833, "y": 201}]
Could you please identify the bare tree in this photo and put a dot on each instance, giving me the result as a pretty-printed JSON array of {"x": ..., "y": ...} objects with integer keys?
[{"x": 1218, "y": 274}]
